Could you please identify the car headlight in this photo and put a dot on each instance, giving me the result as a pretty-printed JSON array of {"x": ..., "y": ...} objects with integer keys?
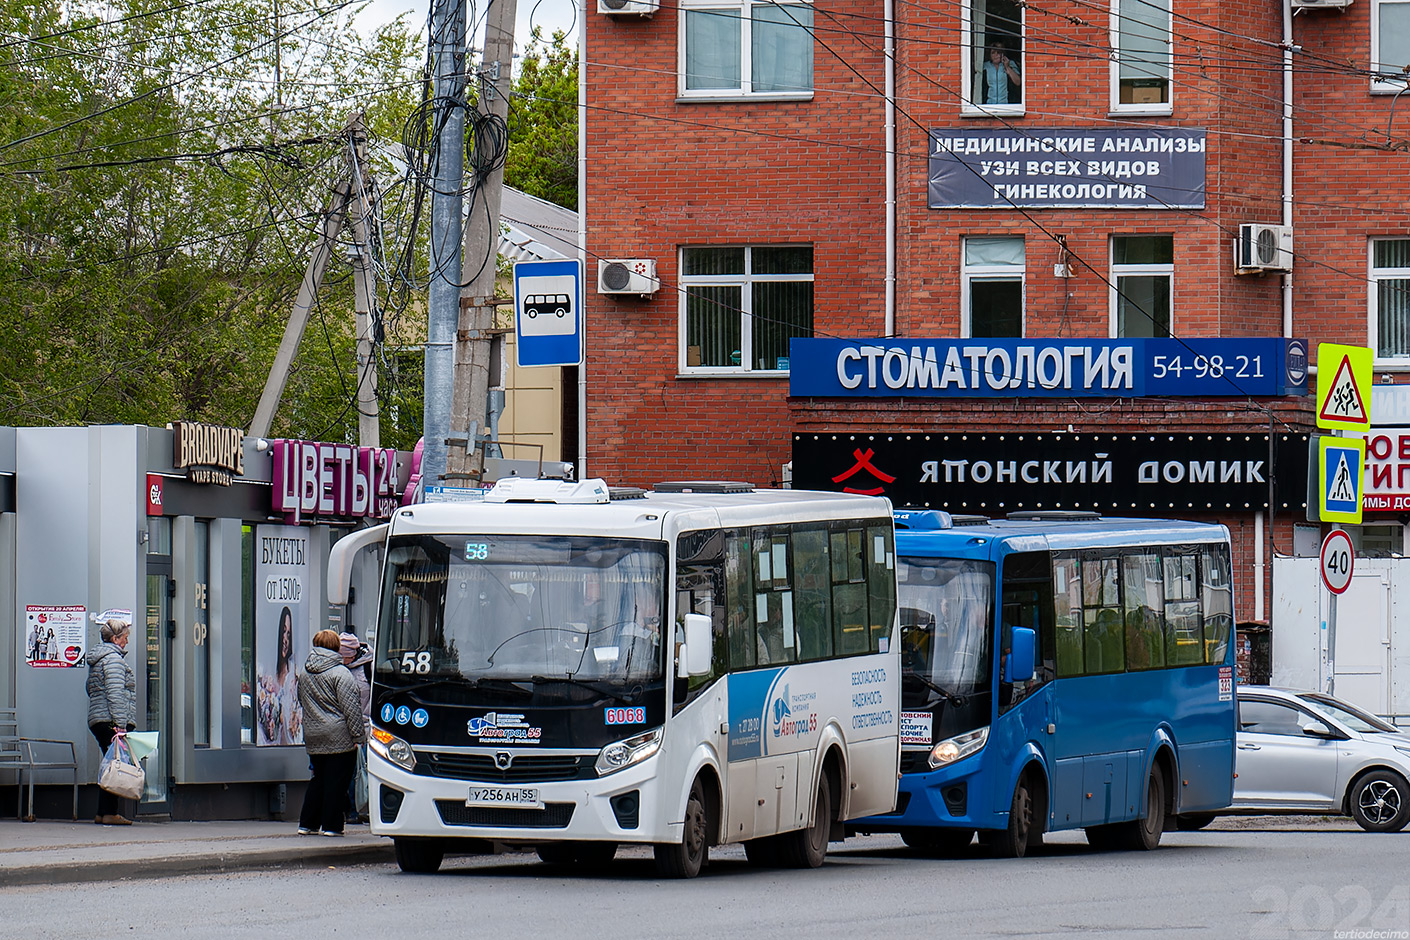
[
  {"x": 633, "y": 750},
  {"x": 961, "y": 745},
  {"x": 392, "y": 748}
]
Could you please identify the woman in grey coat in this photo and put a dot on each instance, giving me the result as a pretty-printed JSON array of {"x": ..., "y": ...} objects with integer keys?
[
  {"x": 333, "y": 731},
  {"x": 112, "y": 703}
]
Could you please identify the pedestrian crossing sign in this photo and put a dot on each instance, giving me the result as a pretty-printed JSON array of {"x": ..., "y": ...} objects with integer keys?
[
  {"x": 1343, "y": 387},
  {"x": 1341, "y": 477}
]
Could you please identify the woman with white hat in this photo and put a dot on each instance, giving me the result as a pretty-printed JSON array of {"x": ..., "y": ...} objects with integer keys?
[{"x": 112, "y": 702}]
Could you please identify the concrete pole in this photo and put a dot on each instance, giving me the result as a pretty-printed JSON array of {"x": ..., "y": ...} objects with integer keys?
[
  {"x": 362, "y": 205},
  {"x": 443, "y": 301},
  {"x": 470, "y": 404}
]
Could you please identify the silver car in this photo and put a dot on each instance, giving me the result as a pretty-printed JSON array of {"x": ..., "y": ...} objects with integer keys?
[{"x": 1306, "y": 752}]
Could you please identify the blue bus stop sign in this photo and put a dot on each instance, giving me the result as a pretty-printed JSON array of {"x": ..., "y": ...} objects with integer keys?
[{"x": 548, "y": 313}]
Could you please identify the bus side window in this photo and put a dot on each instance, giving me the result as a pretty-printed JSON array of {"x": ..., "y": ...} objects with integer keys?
[
  {"x": 812, "y": 604},
  {"x": 739, "y": 595},
  {"x": 1067, "y": 597},
  {"x": 849, "y": 591},
  {"x": 1217, "y": 602}
]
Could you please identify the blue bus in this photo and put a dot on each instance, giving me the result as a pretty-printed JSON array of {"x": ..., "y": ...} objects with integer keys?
[{"x": 1061, "y": 670}]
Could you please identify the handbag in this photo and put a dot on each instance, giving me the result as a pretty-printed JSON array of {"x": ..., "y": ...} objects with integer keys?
[{"x": 119, "y": 773}]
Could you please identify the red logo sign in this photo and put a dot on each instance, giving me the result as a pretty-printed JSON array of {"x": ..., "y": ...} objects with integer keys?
[
  {"x": 863, "y": 458},
  {"x": 154, "y": 494}
]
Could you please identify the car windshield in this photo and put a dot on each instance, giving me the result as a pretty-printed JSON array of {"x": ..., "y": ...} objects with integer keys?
[
  {"x": 1349, "y": 715},
  {"x": 495, "y": 607}
]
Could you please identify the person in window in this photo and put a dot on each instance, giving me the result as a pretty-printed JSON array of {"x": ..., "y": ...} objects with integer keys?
[
  {"x": 999, "y": 81},
  {"x": 639, "y": 639}
]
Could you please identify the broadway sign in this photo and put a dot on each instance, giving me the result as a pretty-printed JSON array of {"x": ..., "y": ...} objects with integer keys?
[
  {"x": 1122, "y": 474},
  {"x": 1068, "y": 167}
]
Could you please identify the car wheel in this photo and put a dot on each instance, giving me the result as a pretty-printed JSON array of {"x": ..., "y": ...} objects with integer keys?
[
  {"x": 418, "y": 856},
  {"x": 685, "y": 858},
  {"x": 1380, "y": 801}
]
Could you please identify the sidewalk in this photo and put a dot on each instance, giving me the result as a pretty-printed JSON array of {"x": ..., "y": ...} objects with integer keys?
[{"x": 54, "y": 852}]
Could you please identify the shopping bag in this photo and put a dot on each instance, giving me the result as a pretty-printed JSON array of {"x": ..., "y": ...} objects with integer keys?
[{"x": 118, "y": 773}]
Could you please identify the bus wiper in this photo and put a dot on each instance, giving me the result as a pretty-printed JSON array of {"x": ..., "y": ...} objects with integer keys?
[
  {"x": 585, "y": 684},
  {"x": 501, "y": 685},
  {"x": 955, "y": 700}
]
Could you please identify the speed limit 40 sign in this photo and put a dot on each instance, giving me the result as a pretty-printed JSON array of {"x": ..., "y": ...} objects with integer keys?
[{"x": 1338, "y": 558}]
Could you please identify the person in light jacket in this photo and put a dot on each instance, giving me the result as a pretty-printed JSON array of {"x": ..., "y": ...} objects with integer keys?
[
  {"x": 112, "y": 703},
  {"x": 333, "y": 731}
]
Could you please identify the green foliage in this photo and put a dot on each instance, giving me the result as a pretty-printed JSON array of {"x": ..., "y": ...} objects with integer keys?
[
  {"x": 543, "y": 125},
  {"x": 159, "y": 196}
]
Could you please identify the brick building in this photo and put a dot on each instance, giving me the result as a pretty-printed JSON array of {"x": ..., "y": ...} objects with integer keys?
[{"x": 791, "y": 179}]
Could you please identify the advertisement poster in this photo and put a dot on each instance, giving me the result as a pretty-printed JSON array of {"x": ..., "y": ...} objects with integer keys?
[
  {"x": 282, "y": 636},
  {"x": 55, "y": 636}
]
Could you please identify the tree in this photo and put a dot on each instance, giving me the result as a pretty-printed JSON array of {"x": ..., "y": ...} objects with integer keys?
[{"x": 543, "y": 124}]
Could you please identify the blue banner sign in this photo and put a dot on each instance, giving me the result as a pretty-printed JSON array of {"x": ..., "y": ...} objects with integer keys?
[
  {"x": 1067, "y": 167},
  {"x": 1047, "y": 368}
]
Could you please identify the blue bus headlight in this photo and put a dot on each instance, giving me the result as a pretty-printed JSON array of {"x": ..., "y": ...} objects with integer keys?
[
  {"x": 633, "y": 750},
  {"x": 961, "y": 745},
  {"x": 392, "y": 748}
]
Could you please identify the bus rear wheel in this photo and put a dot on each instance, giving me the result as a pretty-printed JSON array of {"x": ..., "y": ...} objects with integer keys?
[
  {"x": 1142, "y": 835},
  {"x": 684, "y": 859},
  {"x": 941, "y": 843},
  {"x": 807, "y": 848},
  {"x": 418, "y": 856}
]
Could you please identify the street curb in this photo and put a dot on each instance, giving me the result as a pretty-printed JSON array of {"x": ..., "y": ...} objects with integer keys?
[{"x": 206, "y": 864}]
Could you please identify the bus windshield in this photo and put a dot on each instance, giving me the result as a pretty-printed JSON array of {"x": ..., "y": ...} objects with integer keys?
[
  {"x": 947, "y": 609},
  {"x": 507, "y": 608}
]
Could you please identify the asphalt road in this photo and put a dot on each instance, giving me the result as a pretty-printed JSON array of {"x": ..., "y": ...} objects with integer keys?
[{"x": 1243, "y": 879}]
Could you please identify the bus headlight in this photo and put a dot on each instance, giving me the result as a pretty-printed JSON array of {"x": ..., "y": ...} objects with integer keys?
[
  {"x": 392, "y": 748},
  {"x": 633, "y": 750},
  {"x": 961, "y": 745}
]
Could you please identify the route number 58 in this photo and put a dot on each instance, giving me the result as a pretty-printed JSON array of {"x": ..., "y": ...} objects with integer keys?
[{"x": 417, "y": 662}]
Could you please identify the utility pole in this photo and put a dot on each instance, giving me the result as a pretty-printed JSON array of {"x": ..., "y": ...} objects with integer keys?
[
  {"x": 443, "y": 300},
  {"x": 359, "y": 181},
  {"x": 363, "y": 201},
  {"x": 474, "y": 337}
]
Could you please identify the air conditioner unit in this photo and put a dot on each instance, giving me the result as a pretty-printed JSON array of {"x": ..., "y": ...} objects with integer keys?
[
  {"x": 627, "y": 276},
  {"x": 627, "y": 7},
  {"x": 1315, "y": 4},
  {"x": 1263, "y": 248}
]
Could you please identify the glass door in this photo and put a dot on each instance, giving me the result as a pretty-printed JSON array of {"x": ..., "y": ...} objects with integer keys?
[{"x": 158, "y": 666}]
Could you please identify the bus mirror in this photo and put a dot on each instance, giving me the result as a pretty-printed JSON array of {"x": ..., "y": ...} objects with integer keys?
[
  {"x": 697, "y": 644},
  {"x": 1018, "y": 666}
]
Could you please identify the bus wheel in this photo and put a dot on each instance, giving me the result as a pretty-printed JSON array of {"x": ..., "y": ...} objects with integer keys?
[
  {"x": 1143, "y": 834},
  {"x": 685, "y": 858},
  {"x": 806, "y": 848},
  {"x": 941, "y": 843},
  {"x": 1193, "y": 822},
  {"x": 418, "y": 856},
  {"x": 1012, "y": 842}
]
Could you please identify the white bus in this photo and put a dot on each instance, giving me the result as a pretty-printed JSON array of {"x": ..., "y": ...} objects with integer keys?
[{"x": 571, "y": 667}]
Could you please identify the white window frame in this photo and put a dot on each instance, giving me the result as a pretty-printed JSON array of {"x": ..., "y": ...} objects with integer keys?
[
  {"x": 1379, "y": 85},
  {"x": 746, "y": 54},
  {"x": 1157, "y": 108},
  {"x": 971, "y": 273},
  {"x": 968, "y": 77},
  {"x": 746, "y": 304},
  {"x": 1118, "y": 271},
  {"x": 1374, "y": 276}
]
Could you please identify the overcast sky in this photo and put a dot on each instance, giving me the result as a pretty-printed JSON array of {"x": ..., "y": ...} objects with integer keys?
[{"x": 550, "y": 15}]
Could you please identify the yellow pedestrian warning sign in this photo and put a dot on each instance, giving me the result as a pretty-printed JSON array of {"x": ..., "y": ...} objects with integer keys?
[{"x": 1343, "y": 387}]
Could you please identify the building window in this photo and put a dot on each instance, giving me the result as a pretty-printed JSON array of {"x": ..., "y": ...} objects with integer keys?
[
  {"x": 992, "y": 287},
  {"x": 993, "y": 65},
  {"x": 1390, "y": 298},
  {"x": 1141, "y": 66},
  {"x": 745, "y": 48},
  {"x": 741, "y": 305},
  {"x": 1390, "y": 44},
  {"x": 1141, "y": 270}
]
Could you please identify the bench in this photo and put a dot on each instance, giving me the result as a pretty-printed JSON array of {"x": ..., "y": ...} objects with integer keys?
[{"x": 30, "y": 757}]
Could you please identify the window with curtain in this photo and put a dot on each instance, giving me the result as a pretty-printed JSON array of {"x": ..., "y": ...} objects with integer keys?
[
  {"x": 1141, "y": 66},
  {"x": 742, "y": 305},
  {"x": 745, "y": 48},
  {"x": 995, "y": 84},
  {"x": 1142, "y": 268},
  {"x": 1390, "y": 298},
  {"x": 991, "y": 284},
  {"x": 1390, "y": 43}
]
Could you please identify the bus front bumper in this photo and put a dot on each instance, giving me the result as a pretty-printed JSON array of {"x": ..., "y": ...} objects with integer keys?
[{"x": 950, "y": 797}]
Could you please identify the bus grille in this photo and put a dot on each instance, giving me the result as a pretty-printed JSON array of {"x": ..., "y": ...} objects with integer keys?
[
  {"x": 526, "y": 768},
  {"x": 552, "y": 816}
]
